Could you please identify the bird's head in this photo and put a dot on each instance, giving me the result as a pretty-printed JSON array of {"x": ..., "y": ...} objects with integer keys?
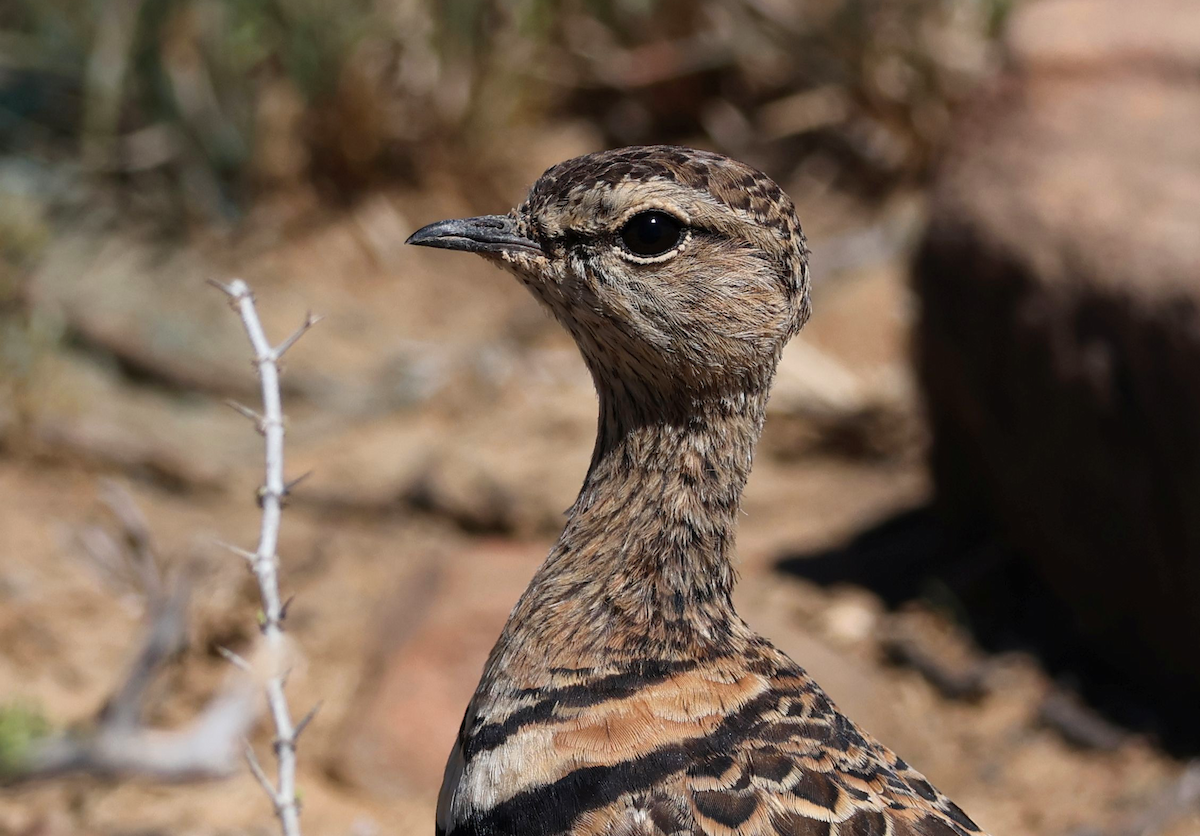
[{"x": 674, "y": 269}]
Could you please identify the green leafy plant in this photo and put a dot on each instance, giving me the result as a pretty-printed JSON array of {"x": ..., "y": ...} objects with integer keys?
[{"x": 20, "y": 725}]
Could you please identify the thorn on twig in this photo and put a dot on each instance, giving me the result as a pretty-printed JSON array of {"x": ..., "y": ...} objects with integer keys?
[
  {"x": 249, "y": 557},
  {"x": 257, "y": 770},
  {"x": 227, "y": 289},
  {"x": 304, "y": 721},
  {"x": 283, "y": 611},
  {"x": 237, "y": 661},
  {"x": 236, "y": 290},
  {"x": 309, "y": 321},
  {"x": 263, "y": 491},
  {"x": 248, "y": 412},
  {"x": 287, "y": 488}
]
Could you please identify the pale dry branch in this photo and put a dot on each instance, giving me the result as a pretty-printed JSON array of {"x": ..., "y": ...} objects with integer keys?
[
  {"x": 207, "y": 748},
  {"x": 166, "y": 637},
  {"x": 264, "y": 560},
  {"x": 125, "y": 559},
  {"x": 136, "y": 534},
  {"x": 118, "y": 744}
]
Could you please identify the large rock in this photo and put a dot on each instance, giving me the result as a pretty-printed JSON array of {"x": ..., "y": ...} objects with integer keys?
[{"x": 1059, "y": 345}]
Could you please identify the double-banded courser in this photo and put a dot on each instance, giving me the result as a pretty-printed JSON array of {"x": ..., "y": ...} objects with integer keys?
[{"x": 625, "y": 696}]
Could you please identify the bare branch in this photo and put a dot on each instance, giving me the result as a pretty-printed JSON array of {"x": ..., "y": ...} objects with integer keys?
[
  {"x": 205, "y": 749},
  {"x": 118, "y": 744},
  {"x": 106, "y": 555},
  {"x": 166, "y": 637},
  {"x": 126, "y": 557},
  {"x": 136, "y": 532},
  {"x": 265, "y": 561}
]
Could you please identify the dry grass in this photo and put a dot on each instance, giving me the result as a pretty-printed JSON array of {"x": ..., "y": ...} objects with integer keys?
[{"x": 220, "y": 100}]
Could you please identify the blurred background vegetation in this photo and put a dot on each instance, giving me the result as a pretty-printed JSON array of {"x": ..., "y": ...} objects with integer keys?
[{"x": 197, "y": 107}]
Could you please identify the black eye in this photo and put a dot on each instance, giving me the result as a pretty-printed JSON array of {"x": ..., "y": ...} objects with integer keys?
[{"x": 651, "y": 233}]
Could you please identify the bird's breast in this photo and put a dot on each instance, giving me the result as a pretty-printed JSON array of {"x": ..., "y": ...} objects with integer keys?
[{"x": 557, "y": 743}]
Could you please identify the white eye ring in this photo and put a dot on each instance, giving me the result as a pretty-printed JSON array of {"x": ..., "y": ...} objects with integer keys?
[
  {"x": 652, "y": 235},
  {"x": 655, "y": 259}
]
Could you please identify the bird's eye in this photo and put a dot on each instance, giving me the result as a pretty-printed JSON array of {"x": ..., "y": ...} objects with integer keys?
[{"x": 651, "y": 233}]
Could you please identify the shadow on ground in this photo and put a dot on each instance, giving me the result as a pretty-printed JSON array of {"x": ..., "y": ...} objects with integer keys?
[{"x": 970, "y": 574}]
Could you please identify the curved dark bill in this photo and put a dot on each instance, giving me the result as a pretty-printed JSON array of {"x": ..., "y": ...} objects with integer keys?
[{"x": 485, "y": 234}]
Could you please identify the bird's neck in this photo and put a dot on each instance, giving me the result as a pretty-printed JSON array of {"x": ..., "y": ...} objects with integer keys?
[{"x": 642, "y": 568}]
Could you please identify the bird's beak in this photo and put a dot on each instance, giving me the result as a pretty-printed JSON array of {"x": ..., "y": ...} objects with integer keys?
[{"x": 485, "y": 234}]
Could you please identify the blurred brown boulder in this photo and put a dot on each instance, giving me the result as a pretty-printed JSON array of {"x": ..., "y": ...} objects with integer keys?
[{"x": 1059, "y": 344}]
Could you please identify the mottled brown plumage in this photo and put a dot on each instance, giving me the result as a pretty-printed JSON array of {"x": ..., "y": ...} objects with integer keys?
[{"x": 625, "y": 697}]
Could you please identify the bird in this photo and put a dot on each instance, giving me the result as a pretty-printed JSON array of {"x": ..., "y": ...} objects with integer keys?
[{"x": 625, "y": 696}]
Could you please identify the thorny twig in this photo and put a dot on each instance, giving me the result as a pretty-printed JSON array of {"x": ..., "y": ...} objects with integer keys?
[
  {"x": 264, "y": 561},
  {"x": 117, "y": 744}
]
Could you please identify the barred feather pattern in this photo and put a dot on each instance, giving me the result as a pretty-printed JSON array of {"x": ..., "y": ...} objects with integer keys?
[
  {"x": 625, "y": 696},
  {"x": 745, "y": 745}
]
